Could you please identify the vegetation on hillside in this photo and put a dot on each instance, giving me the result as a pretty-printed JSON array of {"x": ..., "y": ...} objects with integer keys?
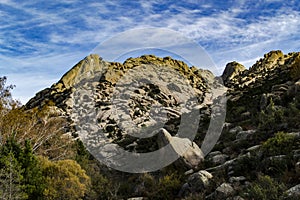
[{"x": 256, "y": 157}]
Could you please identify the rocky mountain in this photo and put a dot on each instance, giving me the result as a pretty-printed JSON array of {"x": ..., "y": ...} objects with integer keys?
[
  {"x": 256, "y": 154},
  {"x": 99, "y": 82}
]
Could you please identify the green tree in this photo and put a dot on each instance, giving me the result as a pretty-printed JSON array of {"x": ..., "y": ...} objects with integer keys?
[
  {"x": 101, "y": 186},
  {"x": 11, "y": 178},
  {"x": 28, "y": 168},
  {"x": 32, "y": 174}
]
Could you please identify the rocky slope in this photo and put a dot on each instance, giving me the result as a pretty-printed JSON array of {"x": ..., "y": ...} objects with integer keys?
[
  {"x": 262, "y": 101},
  {"x": 158, "y": 89}
]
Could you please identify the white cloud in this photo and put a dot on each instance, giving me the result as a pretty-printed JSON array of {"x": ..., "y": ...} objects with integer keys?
[
  {"x": 28, "y": 84},
  {"x": 231, "y": 38},
  {"x": 154, "y": 38},
  {"x": 224, "y": 33},
  {"x": 32, "y": 74}
]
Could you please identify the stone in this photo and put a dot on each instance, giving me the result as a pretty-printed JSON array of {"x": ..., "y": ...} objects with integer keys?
[
  {"x": 225, "y": 190},
  {"x": 297, "y": 86},
  {"x": 227, "y": 150},
  {"x": 297, "y": 168},
  {"x": 294, "y": 191},
  {"x": 243, "y": 135},
  {"x": 199, "y": 180},
  {"x": 185, "y": 190},
  {"x": 224, "y": 166},
  {"x": 196, "y": 182},
  {"x": 190, "y": 154},
  {"x": 278, "y": 158},
  {"x": 263, "y": 101},
  {"x": 237, "y": 179},
  {"x": 246, "y": 115},
  {"x": 214, "y": 153},
  {"x": 295, "y": 134},
  {"x": 236, "y": 130},
  {"x": 227, "y": 126},
  {"x": 219, "y": 159},
  {"x": 83, "y": 69},
  {"x": 189, "y": 172},
  {"x": 296, "y": 154},
  {"x": 253, "y": 148}
]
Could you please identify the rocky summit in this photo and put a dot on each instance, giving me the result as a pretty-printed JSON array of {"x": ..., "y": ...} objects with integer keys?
[{"x": 257, "y": 154}]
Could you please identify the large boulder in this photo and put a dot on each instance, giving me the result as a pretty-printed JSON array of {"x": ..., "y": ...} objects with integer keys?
[
  {"x": 199, "y": 180},
  {"x": 224, "y": 191},
  {"x": 190, "y": 155},
  {"x": 196, "y": 182}
]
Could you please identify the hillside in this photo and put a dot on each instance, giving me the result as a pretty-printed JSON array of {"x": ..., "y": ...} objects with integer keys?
[{"x": 151, "y": 103}]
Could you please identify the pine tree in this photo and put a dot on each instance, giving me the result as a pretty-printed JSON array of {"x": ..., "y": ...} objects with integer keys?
[
  {"x": 33, "y": 179},
  {"x": 11, "y": 178}
]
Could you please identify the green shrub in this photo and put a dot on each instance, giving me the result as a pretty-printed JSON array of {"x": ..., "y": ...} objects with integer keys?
[
  {"x": 265, "y": 188},
  {"x": 281, "y": 143},
  {"x": 167, "y": 187},
  {"x": 271, "y": 118},
  {"x": 293, "y": 114},
  {"x": 247, "y": 166}
]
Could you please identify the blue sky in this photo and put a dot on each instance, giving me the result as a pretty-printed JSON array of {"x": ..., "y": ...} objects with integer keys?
[{"x": 41, "y": 40}]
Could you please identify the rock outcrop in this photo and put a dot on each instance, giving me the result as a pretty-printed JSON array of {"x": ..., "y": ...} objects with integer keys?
[
  {"x": 142, "y": 92},
  {"x": 262, "y": 101},
  {"x": 231, "y": 70}
]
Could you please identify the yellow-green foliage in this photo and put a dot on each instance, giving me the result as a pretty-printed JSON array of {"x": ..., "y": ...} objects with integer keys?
[
  {"x": 281, "y": 143},
  {"x": 64, "y": 179},
  {"x": 41, "y": 127},
  {"x": 271, "y": 117},
  {"x": 265, "y": 188},
  {"x": 169, "y": 186},
  {"x": 165, "y": 187}
]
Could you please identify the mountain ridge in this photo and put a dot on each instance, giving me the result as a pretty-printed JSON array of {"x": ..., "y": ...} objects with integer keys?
[{"x": 259, "y": 140}]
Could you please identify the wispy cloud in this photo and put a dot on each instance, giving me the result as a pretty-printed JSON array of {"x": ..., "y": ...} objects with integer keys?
[{"x": 44, "y": 39}]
